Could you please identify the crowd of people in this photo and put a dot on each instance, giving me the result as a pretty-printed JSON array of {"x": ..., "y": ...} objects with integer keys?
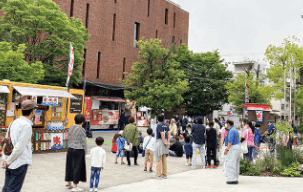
[{"x": 167, "y": 139}]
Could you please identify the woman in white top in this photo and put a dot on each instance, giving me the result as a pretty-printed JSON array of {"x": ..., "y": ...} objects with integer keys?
[{"x": 173, "y": 126}]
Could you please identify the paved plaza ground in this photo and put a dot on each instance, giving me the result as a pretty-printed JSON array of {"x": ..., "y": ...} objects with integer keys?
[{"x": 48, "y": 170}]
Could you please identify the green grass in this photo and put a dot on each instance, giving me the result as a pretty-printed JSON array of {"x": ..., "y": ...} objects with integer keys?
[{"x": 108, "y": 143}]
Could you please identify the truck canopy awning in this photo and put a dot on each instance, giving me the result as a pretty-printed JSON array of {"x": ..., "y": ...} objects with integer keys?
[
  {"x": 4, "y": 89},
  {"x": 110, "y": 100},
  {"x": 43, "y": 92}
]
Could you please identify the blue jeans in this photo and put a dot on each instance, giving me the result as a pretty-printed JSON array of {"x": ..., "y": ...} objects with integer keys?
[
  {"x": 201, "y": 149},
  {"x": 14, "y": 179},
  {"x": 249, "y": 156},
  {"x": 172, "y": 153},
  {"x": 95, "y": 174}
]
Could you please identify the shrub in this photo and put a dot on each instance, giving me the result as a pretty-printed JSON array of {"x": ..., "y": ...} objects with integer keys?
[
  {"x": 246, "y": 168},
  {"x": 287, "y": 156},
  {"x": 300, "y": 128},
  {"x": 292, "y": 170}
]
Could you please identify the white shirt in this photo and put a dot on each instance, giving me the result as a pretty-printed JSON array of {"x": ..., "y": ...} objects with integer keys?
[
  {"x": 151, "y": 145},
  {"x": 98, "y": 157},
  {"x": 21, "y": 134},
  {"x": 217, "y": 127}
]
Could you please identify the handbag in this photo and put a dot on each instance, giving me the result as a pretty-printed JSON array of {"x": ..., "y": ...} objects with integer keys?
[
  {"x": 244, "y": 148},
  {"x": 7, "y": 143},
  {"x": 143, "y": 152},
  {"x": 128, "y": 146}
]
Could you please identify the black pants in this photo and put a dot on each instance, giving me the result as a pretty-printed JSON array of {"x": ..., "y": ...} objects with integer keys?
[
  {"x": 14, "y": 179},
  {"x": 135, "y": 155},
  {"x": 121, "y": 125},
  {"x": 183, "y": 128},
  {"x": 213, "y": 151}
]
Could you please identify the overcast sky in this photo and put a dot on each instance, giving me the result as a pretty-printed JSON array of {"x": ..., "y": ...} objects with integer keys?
[{"x": 241, "y": 29}]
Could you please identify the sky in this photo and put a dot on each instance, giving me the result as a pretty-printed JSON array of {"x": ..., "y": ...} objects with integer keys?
[{"x": 241, "y": 29}]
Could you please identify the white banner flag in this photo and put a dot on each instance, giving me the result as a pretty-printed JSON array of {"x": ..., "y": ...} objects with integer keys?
[{"x": 70, "y": 64}]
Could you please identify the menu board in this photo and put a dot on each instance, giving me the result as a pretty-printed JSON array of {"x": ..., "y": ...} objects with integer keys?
[
  {"x": 2, "y": 108},
  {"x": 76, "y": 104}
]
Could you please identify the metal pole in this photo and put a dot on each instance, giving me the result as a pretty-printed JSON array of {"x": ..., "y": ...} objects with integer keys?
[
  {"x": 295, "y": 86},
  {"x": 290, "y": 81},
  {"x": 283, "y": 62}
]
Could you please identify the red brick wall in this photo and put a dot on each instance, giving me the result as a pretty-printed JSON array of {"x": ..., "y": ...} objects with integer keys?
[{"x": 100, "y": 26}]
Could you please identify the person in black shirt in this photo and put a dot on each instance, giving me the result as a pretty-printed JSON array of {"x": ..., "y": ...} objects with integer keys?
[
  {"x": 176, "y": 150},
  {"x": 211, "y": 141}
]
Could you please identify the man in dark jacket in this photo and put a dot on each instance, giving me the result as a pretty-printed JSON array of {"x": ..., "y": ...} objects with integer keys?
[
  {"x": 184, "y": 123},
  {"x": 176, "y": 150},
  {"x": 198, "y": 132}
]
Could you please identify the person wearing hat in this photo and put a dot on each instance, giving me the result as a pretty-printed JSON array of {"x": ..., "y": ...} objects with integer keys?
[
  {"x": 198, "y": 131},
  {"x": 17, "y": 162},
  {"x": 270, "y": 130},
  {"x": 120, "y": 148}
]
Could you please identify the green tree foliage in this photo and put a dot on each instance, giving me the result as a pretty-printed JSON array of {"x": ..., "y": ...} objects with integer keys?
[
  {"x": 258, "y": 93},
  {"x": 47, "y": 32},
  {"x": 281, "y": 58},
  {"x": 15, "y": 68},
  {"x": 207, "y": 79},
  {"x": 157, "y": 78}
]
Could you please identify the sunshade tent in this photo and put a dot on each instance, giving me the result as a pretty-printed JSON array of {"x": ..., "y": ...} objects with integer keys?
[
  {"x": 43, "y": 92},
  {"x": 4, "y": 89}
]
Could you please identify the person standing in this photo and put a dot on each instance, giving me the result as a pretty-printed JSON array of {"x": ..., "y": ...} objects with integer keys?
[
  {"x": 184, "y": 123},
  {"x": 75, "y": 169},
  {"x": 17, "y": 162},
  {"x": 198, "y": 131},
  {"x": 122, "y": 120},
  {"x": 248, "y": 138},
  {"x": 211, "y": 138},
  {"x": 131, "y": 134},
  {"x": 162, "y": 142},
  {"x": 128, "y": 110},
  {"x": 271, "y": 130},
  {"x": 232, "y": 153},
  {"x": 257, "y": 139},
  {"x": 177, "y": 118}
]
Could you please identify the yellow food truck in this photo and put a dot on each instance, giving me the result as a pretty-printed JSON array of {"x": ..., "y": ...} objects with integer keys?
[{"x": 55, "y": 112}]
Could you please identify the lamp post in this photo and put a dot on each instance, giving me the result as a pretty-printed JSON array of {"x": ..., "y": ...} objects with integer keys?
[{"x": 283, "y": 62}]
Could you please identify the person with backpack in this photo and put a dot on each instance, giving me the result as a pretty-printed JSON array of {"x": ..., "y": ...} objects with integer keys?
[{"x": 16, "y": 163}]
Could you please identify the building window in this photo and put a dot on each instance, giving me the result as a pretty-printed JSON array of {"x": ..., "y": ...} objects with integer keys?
[
  {"x": 84, "y": 62},
  {"x": 173, "y": 39},
  {"x": 148, "y": 8},
  {"x": 72, "y": 8},
  {"x": 98, "y": 65},
  {"x": 87, "y": 15},
  {"x": 136, "y": 33},
  {"x": 282, "y": 106},
  {"x": 115, "y": 1},
  {"x": 174, "y": 20},
  {"x": 123, "y": 75},
  {"x": 156, "y": 33},
  {"x": 114, "y": 26},
  {"x": 180, "y": 41},
  {"x": 166, "y": 16}
]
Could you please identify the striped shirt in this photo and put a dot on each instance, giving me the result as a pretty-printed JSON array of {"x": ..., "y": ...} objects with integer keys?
[{"x": 79, "y": 138}]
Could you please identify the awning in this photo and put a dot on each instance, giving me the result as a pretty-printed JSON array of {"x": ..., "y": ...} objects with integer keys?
[
  {"x": 110, "y": 100},
  {"x": 4, "y": 89},
  {"x": 43, "y": 92}
]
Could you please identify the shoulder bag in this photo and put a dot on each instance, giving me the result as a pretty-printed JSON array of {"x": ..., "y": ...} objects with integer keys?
[
  {"x": 143, "y": 152},
  {"x": 7, "y": 143},
  {"x": 72, "y": 135},
  {"x": 128, "y": 146},
  {"x": 244, "y": 148}
]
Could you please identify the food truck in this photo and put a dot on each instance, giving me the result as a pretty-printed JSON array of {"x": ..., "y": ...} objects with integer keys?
[
  {"x": 143, "y": 116},
  {"x": 55, "y": 112}
]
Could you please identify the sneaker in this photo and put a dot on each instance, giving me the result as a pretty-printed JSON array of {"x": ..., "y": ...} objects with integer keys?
[
  {"x": 150, "y": 170},
  {"x": 136, "y": 164},
  {"x": 91, "y": 190},
  {"x": 96, "y": 189},
  {"x": 122, "y": 163},
  {"x": 69, "y": 186},
  {"x": 145, "y": 170},
  {"x": 187, "y": 164},
  {"x": 193, "y": 167},
  {"x": 77, "y": 189},
  {"x": 116, "y": 162},
  {"x": 164, "y": 176},
  {"x": 214, "y": 167},
  {"x": 208, "y": 167},
  {"x": 158, "y": 177}
]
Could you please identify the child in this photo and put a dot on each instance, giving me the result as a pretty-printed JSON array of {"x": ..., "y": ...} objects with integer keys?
[
  {"x": 211, "y": 140},
  {"x": 114, "y": 146},
  {"x": 98, "y": 158},
  {"x": 149, "y": 147},
  {"x": 188, "y": 151},
  {"x": 120, "y": 148}
]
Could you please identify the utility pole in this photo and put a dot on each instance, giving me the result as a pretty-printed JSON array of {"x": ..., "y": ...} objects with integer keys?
[
  {"x": 295, "y": 86},
  {"x": 290, "y": 84},
  {"x": 283, "y": 62}
]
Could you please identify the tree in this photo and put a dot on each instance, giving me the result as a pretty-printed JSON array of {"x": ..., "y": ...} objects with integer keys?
[
  {"x": 158, "y": 81},
  {"x": 15, "y": 68},
  {"x": 258, "y": 92},
  {"x": 47, "y": 33},
  {"x": 207, "y": 79}
]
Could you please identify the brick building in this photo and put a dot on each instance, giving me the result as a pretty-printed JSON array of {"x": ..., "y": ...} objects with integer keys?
[{"x": 114, "y": 26}]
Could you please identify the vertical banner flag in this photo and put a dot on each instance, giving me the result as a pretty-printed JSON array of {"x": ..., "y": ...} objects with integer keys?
[
  {"x": 70, "y": 64},
  {"x": 246, "y": 93}
]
